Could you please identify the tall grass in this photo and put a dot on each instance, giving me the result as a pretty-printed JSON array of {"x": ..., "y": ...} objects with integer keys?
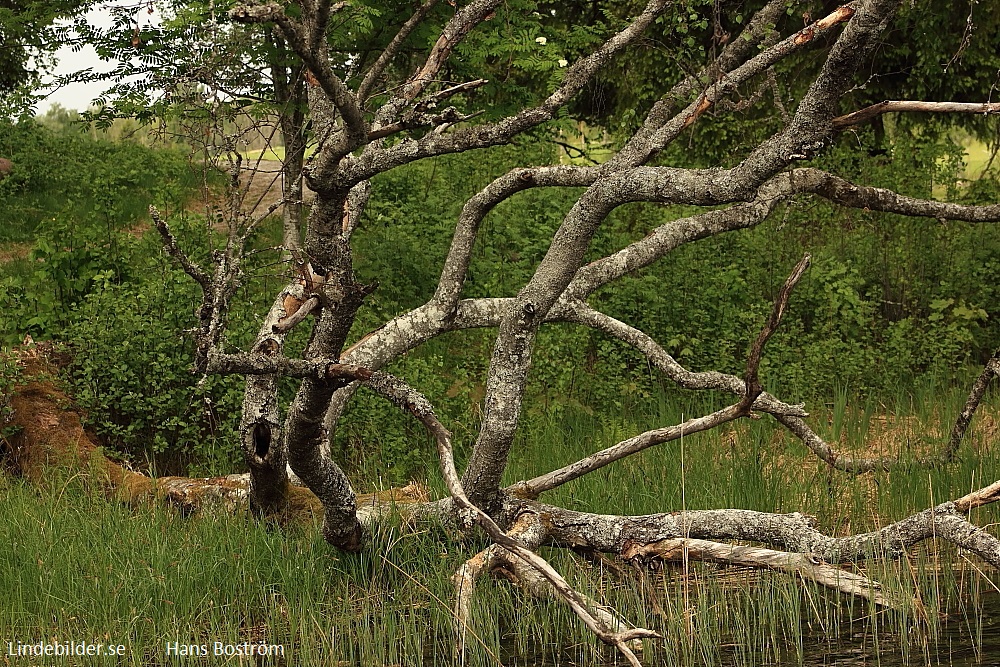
[{"x": 81, "y": 567}]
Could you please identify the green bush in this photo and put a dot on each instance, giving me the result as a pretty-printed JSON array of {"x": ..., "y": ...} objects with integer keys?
[{"x": 887, "y": 301}]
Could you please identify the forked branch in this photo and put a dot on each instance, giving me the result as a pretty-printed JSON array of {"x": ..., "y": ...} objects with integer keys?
[
  {"x": 413, "y": 402},
  {"x": 753, "y": 390}
]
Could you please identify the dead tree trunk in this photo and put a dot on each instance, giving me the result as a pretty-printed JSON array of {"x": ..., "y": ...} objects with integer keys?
[{"x": 372, "y": 120}]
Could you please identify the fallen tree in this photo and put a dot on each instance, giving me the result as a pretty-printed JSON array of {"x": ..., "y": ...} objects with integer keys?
[{"x": 369, "y": 117}]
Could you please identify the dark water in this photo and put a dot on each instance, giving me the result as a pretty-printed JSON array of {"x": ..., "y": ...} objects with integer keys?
[{"x": 969, "y": 640}]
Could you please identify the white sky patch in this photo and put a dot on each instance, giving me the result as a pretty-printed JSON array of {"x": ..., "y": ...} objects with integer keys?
[{"x": 78, "y": 96}]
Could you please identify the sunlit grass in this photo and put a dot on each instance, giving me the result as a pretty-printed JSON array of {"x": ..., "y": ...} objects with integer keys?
[
  {"x": 977, "y": 157},
  {"x": 272, "y": 153}
]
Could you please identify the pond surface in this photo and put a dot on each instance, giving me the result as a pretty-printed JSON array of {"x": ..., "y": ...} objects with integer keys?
[{"x": 960, "y": 642}]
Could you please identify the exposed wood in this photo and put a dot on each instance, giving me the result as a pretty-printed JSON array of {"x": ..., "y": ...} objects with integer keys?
[
  {"x": 802, "y": 565},
  {"x": 869, "y": 113}
]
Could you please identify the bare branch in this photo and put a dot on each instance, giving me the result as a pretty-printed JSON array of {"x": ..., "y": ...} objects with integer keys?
[
  {"x": 841, "y": 191},
  {"x": 551, "y": 480},
  {"x": 453, "y": 33},
  {"x": 430, "y": 101},
  {"x": 794, "y": 532},
  {"x": 645, "y": 440},
  {"x": 392, "y": 49},
  {"x": 666, "y": 364},
  {"x": 752, "y": 381},
  {"x": 170, "y": 245},
  {"x": 574, "y": 79},
  {"x": 800, "y": 429},
  {"x": 990, "y": 371},
  {"x": 890, "y": 106},
  {"x": 477, "y": 207},
  {"x": 804, "y": 566}
]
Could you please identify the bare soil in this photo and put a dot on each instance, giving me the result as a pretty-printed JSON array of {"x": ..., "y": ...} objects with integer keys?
[{"x": 263, "y": 183}]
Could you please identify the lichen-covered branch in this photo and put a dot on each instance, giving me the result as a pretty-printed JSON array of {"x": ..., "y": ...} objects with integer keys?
[
  {"x": 792, "y": 532},
  {"x": 650, "y": 438}
]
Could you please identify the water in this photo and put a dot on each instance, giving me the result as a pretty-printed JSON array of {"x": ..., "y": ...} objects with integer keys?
[{"x": 970, "y": 640}]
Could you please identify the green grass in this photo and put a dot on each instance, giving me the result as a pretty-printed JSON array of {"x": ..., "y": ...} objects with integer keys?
[
  {"x": 977, "y": 157},
  {"x": 273, "y": 153},
  {"x": 80, "y": 567}
]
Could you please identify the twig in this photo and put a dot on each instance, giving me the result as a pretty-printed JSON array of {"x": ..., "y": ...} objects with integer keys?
[
  {"x": 392, "y": 49},
  {"x": 754, "y": 388},
  {"x": 551, "y": 480}
]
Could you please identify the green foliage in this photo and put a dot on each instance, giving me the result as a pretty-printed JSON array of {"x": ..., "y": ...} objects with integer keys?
[
  {"x": 30, "y": 31},
  {"x": 888, "y": 299},
  {"x": 91, "y": 567},
  {"x": 10, "y": 373},
  {"x": 131, "y": 374},
  {"x": 64, "y": 178}
]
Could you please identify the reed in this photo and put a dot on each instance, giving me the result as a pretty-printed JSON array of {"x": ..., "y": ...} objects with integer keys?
[{"x": 80, "y": 567}]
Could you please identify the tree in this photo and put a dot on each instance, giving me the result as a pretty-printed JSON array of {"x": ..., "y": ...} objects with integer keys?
[
  {"x": 371, "y": 113},
  {"x": 30, "y": 33}
]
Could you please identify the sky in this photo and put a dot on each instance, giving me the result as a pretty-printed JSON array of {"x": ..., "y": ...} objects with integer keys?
[{"x": 78, "y": 96}]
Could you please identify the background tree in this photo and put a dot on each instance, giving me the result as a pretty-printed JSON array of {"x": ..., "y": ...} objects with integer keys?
[{"x": 30, "y": 34}]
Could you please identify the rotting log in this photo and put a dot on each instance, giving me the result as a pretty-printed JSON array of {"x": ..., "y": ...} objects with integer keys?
[{"x": 49, "y": 435}]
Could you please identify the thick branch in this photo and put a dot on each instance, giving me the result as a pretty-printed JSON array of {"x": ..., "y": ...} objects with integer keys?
[
  {"x": 660, "y": 132},
  {"x": 392, "y": 49},
  {"x": 456, "y": 265},
  {"x": 413, "y": 402},
  {"x": 845, "y": 193},
  {"x": 804, "y": 566},
  {"x": 794, "y": 532},
  {"x": 810, "y": 127}
]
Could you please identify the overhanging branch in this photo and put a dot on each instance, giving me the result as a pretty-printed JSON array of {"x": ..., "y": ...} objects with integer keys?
[{"x": 869, "y": 113}]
